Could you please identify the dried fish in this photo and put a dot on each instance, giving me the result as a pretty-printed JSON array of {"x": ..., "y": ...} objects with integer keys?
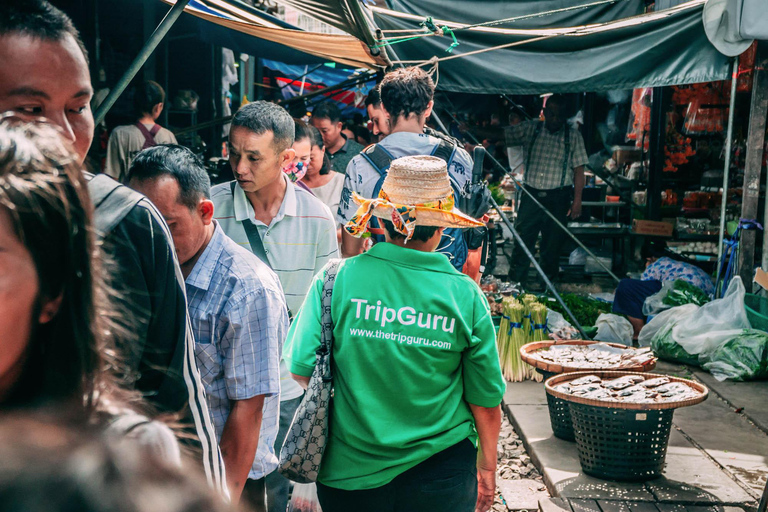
[
  {"x": 632, "y": 390},
  {"x": 623, "y": 382},
  {"x": 598, "y": 394},
  {"x": 652, "y": 383},
  {"x": 589, "y": 379},
  {"x": 583, "y": 389}
]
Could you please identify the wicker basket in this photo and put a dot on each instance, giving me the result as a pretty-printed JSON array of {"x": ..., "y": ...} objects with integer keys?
[
  {"x": 527, "y": 349},
  {"x": 622, "y": 441},
  {"x": 559, "y": 411}
]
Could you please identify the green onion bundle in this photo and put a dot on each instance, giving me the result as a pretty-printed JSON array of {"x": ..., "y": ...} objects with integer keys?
[{"x": 510, "y": 338}]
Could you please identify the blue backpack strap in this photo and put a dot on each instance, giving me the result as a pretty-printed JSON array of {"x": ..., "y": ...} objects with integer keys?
[
  {"x": 379, "y": 158},
  {"x": 445, "y": 150}
]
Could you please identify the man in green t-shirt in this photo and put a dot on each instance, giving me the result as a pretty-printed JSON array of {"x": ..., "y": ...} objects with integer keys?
[{"x": 416, "y": 373}]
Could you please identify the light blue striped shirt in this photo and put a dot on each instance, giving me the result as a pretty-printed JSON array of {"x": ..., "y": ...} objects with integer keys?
[{"x": 240, "y": 321}]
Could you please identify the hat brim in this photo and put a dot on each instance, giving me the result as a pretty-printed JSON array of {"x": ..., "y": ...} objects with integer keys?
[
  {"x": 433, "y": 217},
  {"x": 717, "y": 29}
]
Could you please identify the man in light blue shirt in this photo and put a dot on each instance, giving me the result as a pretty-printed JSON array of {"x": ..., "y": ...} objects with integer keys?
[
  {"x": 407, "y": 99},
  {"x": 238, "y": 314}
]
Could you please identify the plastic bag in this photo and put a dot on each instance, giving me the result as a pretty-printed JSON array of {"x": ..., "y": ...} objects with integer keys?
[
  {"x": 672, "y": 294},
  {"x": 705, "y": 331},
  {"x": 304, "y": 499},
  {"x": 614, "y": 328},
  {"x": 669, "y": 318},
  {"x": 559, "y": 327},
  {"x": 744, "y": 356},
  {"x": 654, "y": 304}
]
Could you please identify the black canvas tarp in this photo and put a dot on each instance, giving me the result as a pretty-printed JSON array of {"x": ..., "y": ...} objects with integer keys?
[
  {"x": 569, "y": 13},
  {"x": 650, "y": 50}
]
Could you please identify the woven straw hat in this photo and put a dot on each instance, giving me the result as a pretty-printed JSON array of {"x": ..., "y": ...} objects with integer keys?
[{"x": 416, "y": 192}]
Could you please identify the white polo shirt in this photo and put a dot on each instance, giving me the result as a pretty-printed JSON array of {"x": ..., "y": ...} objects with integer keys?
[{"x": 299, "y": 242}]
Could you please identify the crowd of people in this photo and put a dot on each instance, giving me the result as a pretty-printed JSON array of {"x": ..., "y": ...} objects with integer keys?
[{"x": 161, "y": 332}]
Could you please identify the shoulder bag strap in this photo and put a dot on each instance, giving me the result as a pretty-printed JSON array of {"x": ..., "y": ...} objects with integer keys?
[
  {"x": 567, "y": 159},
  {"x": 252, "y": 232},
  {"x": 536, "y": 133},
  {"x": 111, "y": 203},
  {"x": 326, "y": 339},
  {"x": 149, "y": 137}
]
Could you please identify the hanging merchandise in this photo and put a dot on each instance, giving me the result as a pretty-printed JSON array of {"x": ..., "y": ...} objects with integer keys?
[
  {"x": 678, "y": 148},
  {"x": 706, "y": 107},
  {"x": 746, "y": 69},
  {"x": 640, "y": 120}
]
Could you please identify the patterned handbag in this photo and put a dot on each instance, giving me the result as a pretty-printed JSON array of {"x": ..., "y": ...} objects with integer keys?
[{"x": 308, "y": 436}]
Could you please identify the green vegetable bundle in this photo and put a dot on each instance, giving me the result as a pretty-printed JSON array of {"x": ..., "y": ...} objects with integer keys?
[
  {"x": 510, "y": 338},
  {"x": 683, "y": 292},
  {"x": 665, "y": 347},
  {"x": 585, "y": 309},
  {"x": 743, "y": 357}
]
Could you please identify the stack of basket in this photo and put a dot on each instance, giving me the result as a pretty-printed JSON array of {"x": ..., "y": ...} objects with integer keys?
[
  {"x": 559, "y": 410},
  {"x": 622, "y": 440}
]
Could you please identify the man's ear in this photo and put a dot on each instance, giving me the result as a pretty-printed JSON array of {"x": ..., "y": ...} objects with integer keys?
[
  {"x": 286, "y": 157},
  {"x": 339, "y": 125},
  {"x": 49, "y": 309},
  {"x": 205, "y": 209},
  {"x": 428, "y": 111}
]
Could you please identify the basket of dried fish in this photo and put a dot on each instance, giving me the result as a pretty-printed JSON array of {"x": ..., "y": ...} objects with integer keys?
[
  {"x": 563, "y": 356},
  {"x": 621, "y": 420},
  {"x": 554, "y": 357}
]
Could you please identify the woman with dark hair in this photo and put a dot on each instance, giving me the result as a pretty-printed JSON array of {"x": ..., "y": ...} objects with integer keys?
[
  {"x": 127, "y": 141},
  {"x": 326, "y": 185},
  {"x": 57, "y": 324},
  {"x": 660, "y": 266}
]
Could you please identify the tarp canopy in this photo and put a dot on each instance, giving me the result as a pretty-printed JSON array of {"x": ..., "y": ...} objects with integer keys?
[
  {"x": 529, "y": 13},
  {"x": 649, "y": 50},
  {"x": 297, "y": 80},
  {"x": 344, "y": 49}
]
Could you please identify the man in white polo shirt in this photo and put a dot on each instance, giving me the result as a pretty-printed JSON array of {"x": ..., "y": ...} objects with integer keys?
[{"x": 285, "y": 226}]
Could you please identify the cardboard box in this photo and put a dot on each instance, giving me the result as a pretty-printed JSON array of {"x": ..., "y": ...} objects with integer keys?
[{"x": 650, "y": 227}]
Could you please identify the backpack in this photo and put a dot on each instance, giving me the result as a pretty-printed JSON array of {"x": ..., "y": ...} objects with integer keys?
[{"x": 453, "y": 244}]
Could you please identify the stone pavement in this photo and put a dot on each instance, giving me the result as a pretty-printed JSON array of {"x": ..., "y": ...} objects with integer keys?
[{"x": 716, "y": 456}]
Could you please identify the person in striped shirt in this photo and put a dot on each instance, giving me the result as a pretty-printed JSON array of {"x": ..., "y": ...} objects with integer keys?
[{"x": 287, "y": 227}]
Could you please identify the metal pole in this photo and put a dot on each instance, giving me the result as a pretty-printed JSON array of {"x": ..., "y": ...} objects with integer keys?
[
  {"x": 727, "y": 166},
  {"x": 149, "y": 47},
  {"x": 547, "y": 212},
  {"x": 753, "y": 163},
  {"x": 550, "y": 286},
  {"x": 657, "y": 143}
]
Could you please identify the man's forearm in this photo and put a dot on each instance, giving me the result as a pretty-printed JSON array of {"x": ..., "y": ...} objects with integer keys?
[
  {"x": 488, "y": 424},
  {"x": 578, "y": 183},
  {"x": 239, "y": 442}
]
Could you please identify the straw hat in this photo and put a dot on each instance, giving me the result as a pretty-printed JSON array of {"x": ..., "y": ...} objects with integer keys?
[{"x": 416, "y": 192}]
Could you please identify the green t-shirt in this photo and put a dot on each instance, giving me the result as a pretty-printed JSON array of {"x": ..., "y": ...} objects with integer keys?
[{"x": 414, "y": 344}]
